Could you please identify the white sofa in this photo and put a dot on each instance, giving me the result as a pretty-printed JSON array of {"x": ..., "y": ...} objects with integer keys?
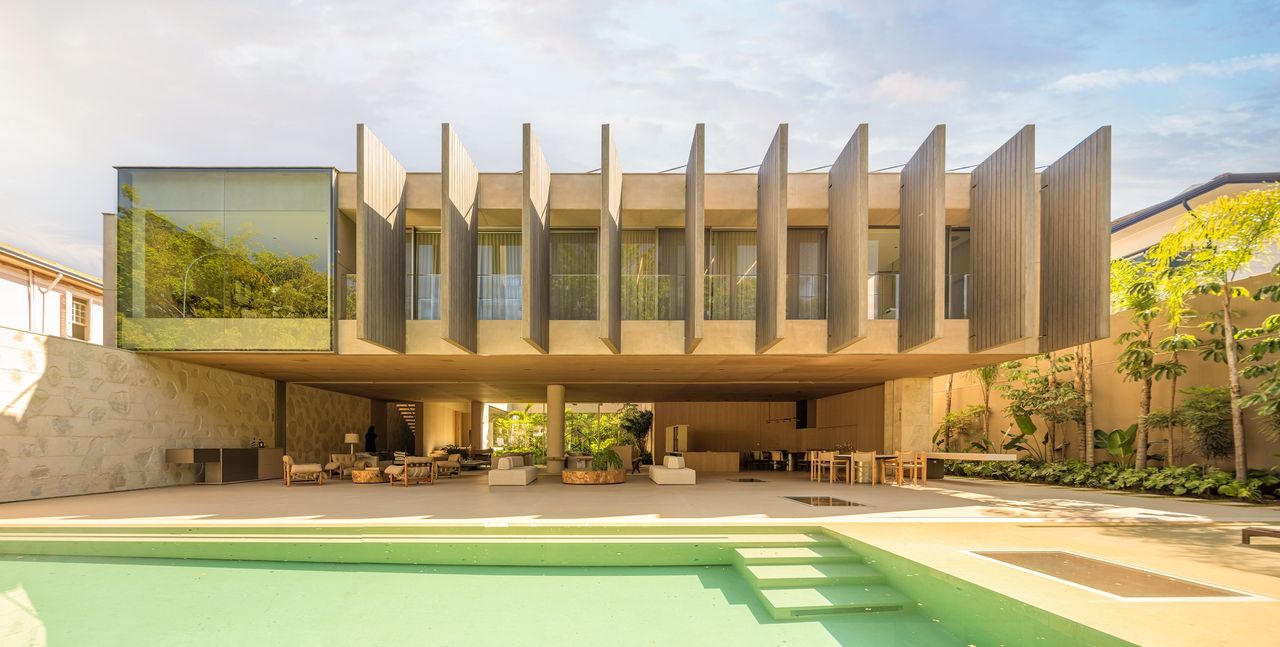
[
  {"x": 673, "y": 472},
  {"x": 511, "y": 470}
]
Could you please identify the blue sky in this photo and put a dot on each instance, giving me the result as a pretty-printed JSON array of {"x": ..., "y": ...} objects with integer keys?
[{"x": 1192, "y": 89}]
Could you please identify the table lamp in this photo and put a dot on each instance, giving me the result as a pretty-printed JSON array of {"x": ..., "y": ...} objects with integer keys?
[{"x": 352, "y": 439}]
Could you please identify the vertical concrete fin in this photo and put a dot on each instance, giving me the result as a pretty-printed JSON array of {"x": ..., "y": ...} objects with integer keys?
[
  {"x": 610, "y": 248},
  {"x": 459, "y": 196},
  {"x": 923, "y": 222},
  {"x": 694, "y": 234},
  {"x": 110, "y": 283},
  {"x": 535, "y": 243},
  {"x": 847, "y": 233},
  {"x": 1075, "y": 245},
  {"x": 771, "y": 244},
  {"x": 1004, "y": 290},
  {"x": 380, "y": 232}
]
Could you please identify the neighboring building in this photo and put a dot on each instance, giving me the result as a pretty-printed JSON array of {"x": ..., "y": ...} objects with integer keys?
[
  {"x": 809, "y": 295},
  {"x": 40, "y": 296}
]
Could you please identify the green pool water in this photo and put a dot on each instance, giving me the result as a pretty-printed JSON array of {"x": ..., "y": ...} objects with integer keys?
[{"x": 698, "y": 586}]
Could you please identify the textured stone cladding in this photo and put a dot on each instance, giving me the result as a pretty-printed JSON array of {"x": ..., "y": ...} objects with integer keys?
[
  {"x": 79, "y": 418},
  {"x": 318, "y": 419}
]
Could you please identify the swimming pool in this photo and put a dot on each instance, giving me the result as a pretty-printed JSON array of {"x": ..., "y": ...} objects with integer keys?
[{"x": 469, "y": 586}]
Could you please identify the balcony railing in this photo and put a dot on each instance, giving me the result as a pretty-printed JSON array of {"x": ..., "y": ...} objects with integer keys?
[
  {"x": 652, "y": 297},
  {"x": 498, "y": 296},
  {"x": 957, "y": 305},
  {"x": 573, "y": 296},
  {"x": 806, "y": 296}
]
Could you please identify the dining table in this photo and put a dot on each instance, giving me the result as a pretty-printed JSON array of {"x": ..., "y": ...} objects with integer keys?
[{"x": 848, "y": 458}]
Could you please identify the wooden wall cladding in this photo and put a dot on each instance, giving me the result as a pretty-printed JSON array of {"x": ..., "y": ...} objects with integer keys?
[
  {"x": 923, "y": 244},
  {"x": 380, "y": 227},
  {"x": 694, "y": 236},
  {"x": 771, "y": 244},
  {"x": 1004, "y": 303},
  {"x": 610, "y": 246},
  {"x": 459, "y": 194},
  {"x": 535, "y": 243},
  {"x": 847, "y": 244},
  {"x": 1075, "y": 245}
]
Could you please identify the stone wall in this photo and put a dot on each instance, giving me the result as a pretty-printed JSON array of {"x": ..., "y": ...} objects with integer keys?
[
  {"x": 79, "y": 418},
  {"x": 318, "y": 420}
]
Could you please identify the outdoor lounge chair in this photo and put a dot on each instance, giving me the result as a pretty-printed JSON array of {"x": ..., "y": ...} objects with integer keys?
[
  {"x": 415, "y": 469},
  {"x": 451, "y": 466},
  {"x": 302, "y": 472},
  {"x": 511, "y": 470},
  {"x": 673, "y": 472}
]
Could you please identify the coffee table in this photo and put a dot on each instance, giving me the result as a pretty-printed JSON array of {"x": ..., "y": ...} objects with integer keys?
[{"x": 367, "y": 475}]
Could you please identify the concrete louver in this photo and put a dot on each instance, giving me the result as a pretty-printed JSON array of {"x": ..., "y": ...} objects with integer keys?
[
  {"x": 1004, "y": 292},
  {"x": 535, "y": 243},
  {"x": 459, "y": 194},
  {"x": 847, "y": 223},
  {"x": 380, "y": 226},
  {"x": 922, "y": 216},
  {"x": 694, "y": 236},
  {"x": 609, "y": 256},
  {"x": 771, "y": 244},
  {"x": 1075, "y": 244}
]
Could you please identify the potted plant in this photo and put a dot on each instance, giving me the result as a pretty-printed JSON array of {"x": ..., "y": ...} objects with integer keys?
[{"x": 596, "y": 435}]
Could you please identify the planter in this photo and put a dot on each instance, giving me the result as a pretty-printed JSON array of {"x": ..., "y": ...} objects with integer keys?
[{"x": 594, "y": 477}]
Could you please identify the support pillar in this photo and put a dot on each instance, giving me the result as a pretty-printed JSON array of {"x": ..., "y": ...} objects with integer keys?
[
  {"x": 908, "y": 414},
  {"x": 555, "y": 428},
  {"x": 477, "y": 425}
]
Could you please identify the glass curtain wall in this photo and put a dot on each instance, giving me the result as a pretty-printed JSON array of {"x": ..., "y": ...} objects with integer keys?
[
  {"x": 806, "y": 273},
  {"x": 498, "y": 275},
  {"x": 653, "y": 274},
  {"x": 958, "y": 273},
  {"x": 731, "y": 274},
  {"x": 883, "y": 261},
  {"x": 225, "y": 259},
  {"x": 573, "y": 274},
  {"x": 423, "y": 266}
]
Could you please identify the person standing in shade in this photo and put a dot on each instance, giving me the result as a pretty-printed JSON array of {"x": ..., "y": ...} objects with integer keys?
[{"x": 371, "y": 441}]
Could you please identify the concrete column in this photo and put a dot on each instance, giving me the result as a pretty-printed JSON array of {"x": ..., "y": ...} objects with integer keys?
[
  {"x": 908, "y": 414},
  {"x": 477, "y": 425},
  {"x": 555, "y": 428}
]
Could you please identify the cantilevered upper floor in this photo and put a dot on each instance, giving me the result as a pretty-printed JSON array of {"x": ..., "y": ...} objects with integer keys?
[{"x": 1003, "y": 260}]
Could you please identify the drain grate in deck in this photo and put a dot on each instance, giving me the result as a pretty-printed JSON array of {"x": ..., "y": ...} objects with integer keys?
[
  {"x": 1112, "y": 579},
  {"x": 822, "y": 501},
  {"x": 748, "y": 480}
]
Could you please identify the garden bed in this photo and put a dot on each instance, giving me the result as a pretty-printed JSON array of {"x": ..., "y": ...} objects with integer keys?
[{"x": 1192, "y": 480}]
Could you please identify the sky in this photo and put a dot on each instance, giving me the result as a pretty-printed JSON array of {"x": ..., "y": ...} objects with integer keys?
[{"x": 1191, "y": 89}]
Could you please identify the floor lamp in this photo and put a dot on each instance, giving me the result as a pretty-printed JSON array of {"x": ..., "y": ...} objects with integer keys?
[{"x": 352, "y": 439}]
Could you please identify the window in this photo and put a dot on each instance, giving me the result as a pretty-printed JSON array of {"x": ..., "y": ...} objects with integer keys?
[
  {"x": 731, "y": 274},
  {"x": 423, "y": 267},
  {"x": 806, "y": 273},
  {"x": 653, "y": 274},
  {"x": 498, "y": 275},
  {"x": 80, "y": 319},
  {"x": 883, "y": 262},
  {"x": 958, "y": 273},
  {"x": 573, "y": 274}
]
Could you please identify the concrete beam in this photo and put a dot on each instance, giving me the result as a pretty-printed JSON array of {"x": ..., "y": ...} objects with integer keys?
[
  {"x": 1075, "y": 245},
  {"x": 380, "y": 227},
  {"x": 847, "y": 244},
  {"x": 1005, "y": 286},
  {"x": 535, "y": 245},
  {"x": 771, "y": 243},
  {"x": 694, "y": 235},
  {"x": 923, "y": 244},
  {"x": 609, "y": 253},
  {"x": 459, "y": 197}
]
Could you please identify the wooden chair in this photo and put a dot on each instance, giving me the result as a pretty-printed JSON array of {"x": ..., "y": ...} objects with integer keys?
[
  {"x": 829, "y": 462},
  {"x": 312, "y": 472},
  {"x": 416, "y": 469},
  {"x": 902, "y": 464},
  {"x": 864, "y": 461},
  {"x": 812, "y": 457}
]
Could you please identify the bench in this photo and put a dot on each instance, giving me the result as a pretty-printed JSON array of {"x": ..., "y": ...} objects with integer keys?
[{"x": 1258, "y": 531}]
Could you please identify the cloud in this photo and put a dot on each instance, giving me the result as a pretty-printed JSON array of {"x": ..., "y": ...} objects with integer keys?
[
  {"x": 1162, "y": 74},
  {"x": 905, "y": 87}
]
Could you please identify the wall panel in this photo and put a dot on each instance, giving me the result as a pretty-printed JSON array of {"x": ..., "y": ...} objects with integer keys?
[
  {"x": 1006, "y": 283},
  {"x": 771, "y": 244},
  {"x": 610, "y": 247},
  {"x": 459, "y": 196},
  {"x": 380, "y": 227},
  {"x": 694, "y": 235},
  {"x": 1075, "y": 244},
  {"x": 847, "y": 244},
  {"x": 535, "y": 243},
  {"x": 923, "y": 247}
]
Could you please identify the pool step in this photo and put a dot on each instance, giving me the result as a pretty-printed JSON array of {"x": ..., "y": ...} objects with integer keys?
[
  {"x": 766, "y": 576},
  {"x": 795, "y": 554},
  {"x": 804, "y": 602}
]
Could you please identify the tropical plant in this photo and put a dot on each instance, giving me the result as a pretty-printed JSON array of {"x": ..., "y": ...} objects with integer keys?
[
  {"x": 1135, "y": 292},
  {"x": 637, "y": 422},
  {"x": 1118, "y": 442},
  {"x": 1024, "y": 438},
  {"x": 1083, "y": 369},
  {"x": 1217, "y": 244},
  {"x": 987, "y": 376},
  {"x": 1206, "y": 417},
  {"x": 1191, "y": 480},
  {"x": 1032, "y": 391},
  {"x": 1263, "y": 362},
  {"x": 955, "y": 425},
  {"x": 522, "y": 431}
]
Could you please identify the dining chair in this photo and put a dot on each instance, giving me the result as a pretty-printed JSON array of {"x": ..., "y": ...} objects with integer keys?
[
  {"x": 779, "y": 459},
  {"x": 901, "y": 464},
  {"x": 834, "y": 465},
  {"x": 811, "y": 457}
]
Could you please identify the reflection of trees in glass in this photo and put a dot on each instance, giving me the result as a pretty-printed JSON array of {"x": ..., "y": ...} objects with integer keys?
[{"x": 218, "y": 274}]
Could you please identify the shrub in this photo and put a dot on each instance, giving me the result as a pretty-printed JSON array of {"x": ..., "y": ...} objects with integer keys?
[
  {"x": 1206, "y": 417},
  {"x": 1192, "y": 480}
]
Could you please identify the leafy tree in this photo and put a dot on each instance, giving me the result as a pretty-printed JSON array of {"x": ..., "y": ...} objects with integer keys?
[
  {"x": 1083, "y": 368},
  {"x": 987, "y": 376},
  {"x": 1206, "y": 415},
  {"x": 1263, "y": 362},
  {"x": 522, "y": 431},
  {"x": 956, "y": 424},
  {"x": 1134, "y": 291},
  {"x": 1217, "y": 245},
  {"x": 637, "y": 422},
  {"x": 1033, "y": 391}
]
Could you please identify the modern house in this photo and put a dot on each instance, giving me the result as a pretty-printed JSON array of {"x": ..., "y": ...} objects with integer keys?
[
  {"x": 807, "y": 308},
  {"x": 40, "y": 296}
]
